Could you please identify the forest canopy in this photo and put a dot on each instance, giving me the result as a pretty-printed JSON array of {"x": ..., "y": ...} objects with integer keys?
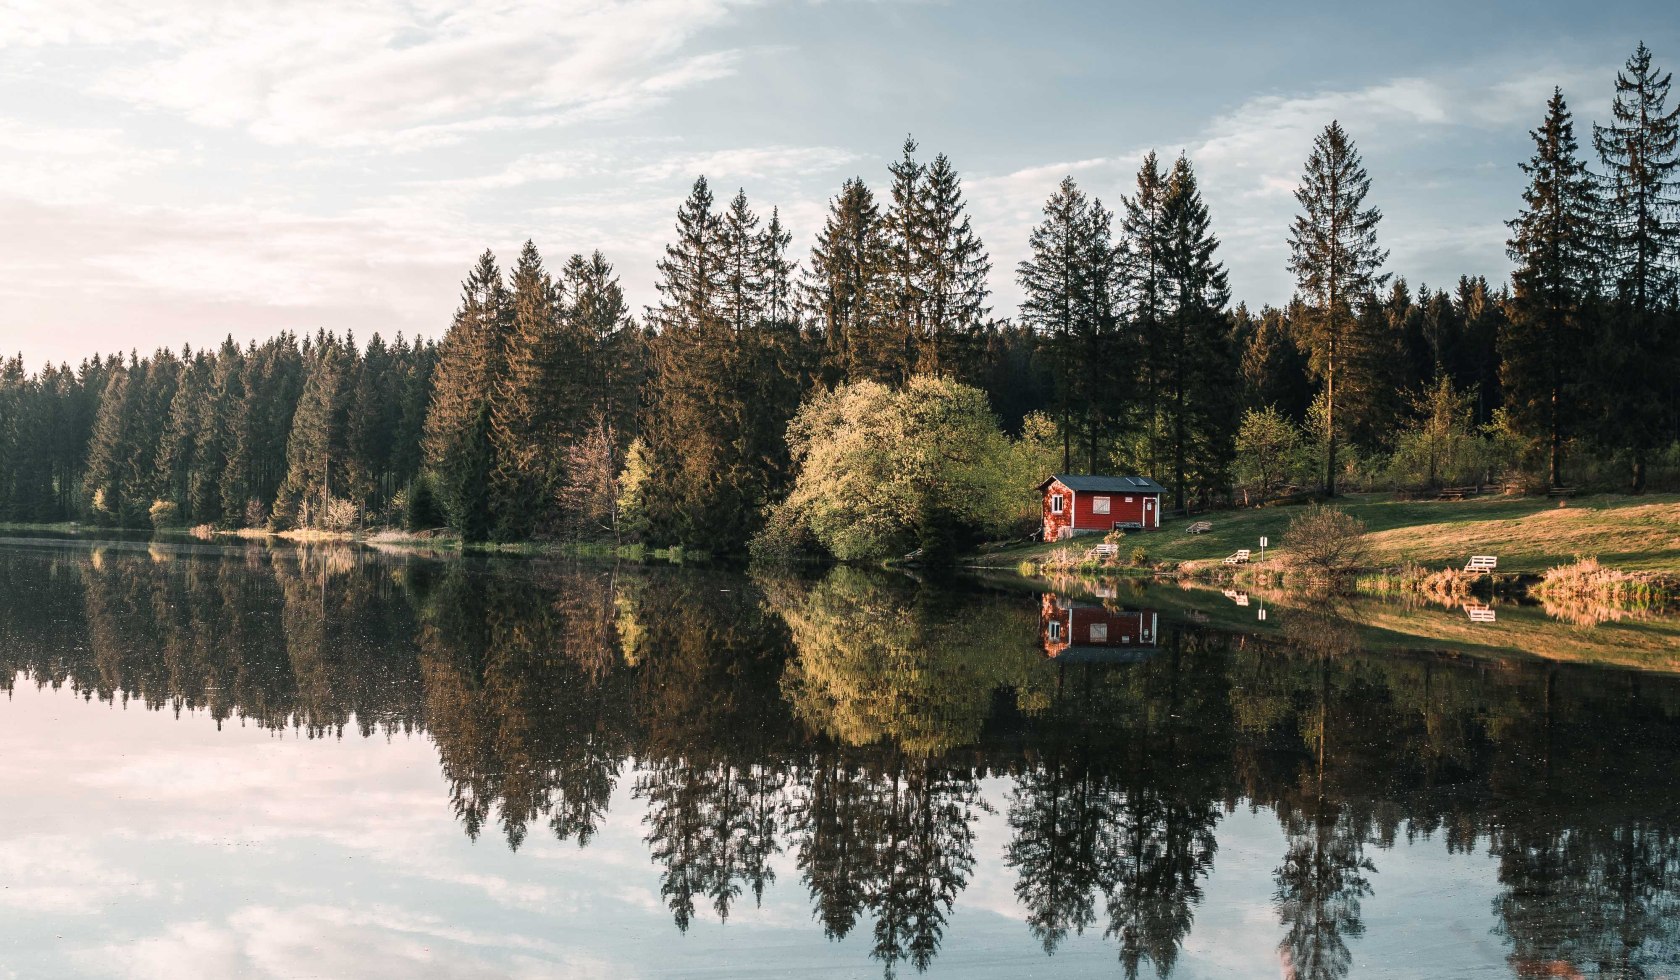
[{"x": 1126, "y": 355}]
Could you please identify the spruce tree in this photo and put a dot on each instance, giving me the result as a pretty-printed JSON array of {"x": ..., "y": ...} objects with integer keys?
[
  {"x": 1335, "y": 258},
  {"x": 316, "y": 446},
  {"x": 1552, "y": 244},
  {"x": 457, "y": 437},
  {"x": 687, "y": 422},
  {"x": 614, "y": 363},
  {"x": 905, "y": 233},
  {"x": 1144, "y": 233},
  {"x": 952, "y": 277},
  {"x": 1198, "y": 353},
  {"x": 1640, "y": 354},
  {"x": 533, "y": 401},
  {"x": 1069, "y": 285},
  {"x": 843, "y": 292}
]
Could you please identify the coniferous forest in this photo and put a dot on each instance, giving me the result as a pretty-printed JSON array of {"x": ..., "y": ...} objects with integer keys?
[{"x": 550, "y": 409}]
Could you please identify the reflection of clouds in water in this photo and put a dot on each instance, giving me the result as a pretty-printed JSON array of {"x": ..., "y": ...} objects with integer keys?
[
  {"x": 319, "y": 940},
  {"x": 62, "y": 876}
]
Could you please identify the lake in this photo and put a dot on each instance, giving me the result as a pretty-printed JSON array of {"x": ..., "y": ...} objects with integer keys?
[{"x": 295, "y": 762}]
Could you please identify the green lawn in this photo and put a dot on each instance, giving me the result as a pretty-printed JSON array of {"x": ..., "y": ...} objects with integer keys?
[{"x": 1528, "y": 534}]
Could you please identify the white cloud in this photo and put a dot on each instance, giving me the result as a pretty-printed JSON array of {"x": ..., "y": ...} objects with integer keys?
[
  {"x": 417, "y": 72},
  {"x": 60, "y": 875},
  {"x": 322, "y": 940}
]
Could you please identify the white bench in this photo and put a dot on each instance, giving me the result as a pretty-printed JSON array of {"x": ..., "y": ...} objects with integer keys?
[
  {"x": 1104, "y": 552},
  {"x": 1481, "y": 614},
  {"x": 1200, "y": 527},
  {"x": 1240, "y": 558},
  {"x": 1481, "y": 565}
]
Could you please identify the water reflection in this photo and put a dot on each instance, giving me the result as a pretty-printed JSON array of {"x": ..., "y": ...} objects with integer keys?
[{"x": 844, "y": 725}]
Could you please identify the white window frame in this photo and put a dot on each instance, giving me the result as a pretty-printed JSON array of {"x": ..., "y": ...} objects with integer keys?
[
  {"x": 1128, "y": 500},
  {"x": 1055, "y": 629},
  {"x": 1099, "y": 505},
  {"x": 1099, "y": 632},
  {"x": 1056, "y": 503}
]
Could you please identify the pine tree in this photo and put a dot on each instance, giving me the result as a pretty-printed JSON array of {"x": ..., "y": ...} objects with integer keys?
[
  {"x": 179, "y": 465},
  {"x": 1144, "y": 233},
  {"x": 457, "y": 430},
  {"x": 686, "y": 427},
  {"x": 614, "y": 363},
  {"x": 1198, "y": 354},
  {"x": 952, "y": 273},
  {"x": 720, "y": 394},
  {"x": 905, "y": 233},
  {"x": 316, "y": 446},
  {"x": 1640, "y": 151},
  {"x": 1069, "y": 284},
  {"x": 1335, "y": 258},
  {"x": 1552, "y": 244},
  {"x": 1273, "y": 368},
  {"x": 843, "y": 292},
  {"x": 533, "y": 402}
]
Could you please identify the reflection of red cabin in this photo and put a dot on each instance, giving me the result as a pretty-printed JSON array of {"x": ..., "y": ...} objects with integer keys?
[
  {"x": 1087, "y": 631},
  {"x": 1099, "y": 504}
]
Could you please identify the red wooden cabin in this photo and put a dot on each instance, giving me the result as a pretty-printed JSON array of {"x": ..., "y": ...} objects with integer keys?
[{"x": 1099, "y": 504}]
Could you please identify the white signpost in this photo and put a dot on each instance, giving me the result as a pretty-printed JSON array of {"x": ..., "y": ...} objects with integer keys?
[{"x": 1263, "y": 542}]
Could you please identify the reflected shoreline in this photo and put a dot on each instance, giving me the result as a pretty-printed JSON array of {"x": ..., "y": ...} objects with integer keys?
[{"x": 847, "y": 718}]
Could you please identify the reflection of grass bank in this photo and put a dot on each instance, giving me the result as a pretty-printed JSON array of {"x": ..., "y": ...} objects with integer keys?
[{"x": 1587, "y": 592}]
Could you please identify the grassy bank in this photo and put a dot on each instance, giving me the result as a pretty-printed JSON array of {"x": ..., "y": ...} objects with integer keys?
[{"x": 1528, "y": 534}]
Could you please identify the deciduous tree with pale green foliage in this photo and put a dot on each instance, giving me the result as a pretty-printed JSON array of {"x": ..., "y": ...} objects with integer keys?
[{"x": 882, "y": 471}]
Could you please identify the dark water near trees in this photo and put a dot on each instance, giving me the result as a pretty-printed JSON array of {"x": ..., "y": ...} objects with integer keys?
[{"x": 282, "y": 762}]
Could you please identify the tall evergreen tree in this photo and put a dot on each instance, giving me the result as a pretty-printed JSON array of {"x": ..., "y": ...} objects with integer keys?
[
  {"x": 1144, "y": 231},
  {"x": 535, "y": 401},
  {"x": 1069, "y": 284},
  {"x": 843, "y": 292},
  {"x": 1198, "y": 356},
  {"x": 952, "y": 277},
  {"x": 1552, "y": 244},
  {"x": 1640, "y": 151},
  {"x": 317, "y": 447},
  {"x": 458, "y": 429},
  {"x": 614, "y": 362},
  {"x": 1335, "y": 258}
]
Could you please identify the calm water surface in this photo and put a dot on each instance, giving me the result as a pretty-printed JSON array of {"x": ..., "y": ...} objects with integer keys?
[{"x": 326, "y": 762}]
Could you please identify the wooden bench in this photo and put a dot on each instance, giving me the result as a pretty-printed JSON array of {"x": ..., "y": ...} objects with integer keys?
[
  {"x": 1240, "y": 558},
  {"x": 1458, "y": 493},
  {"x": 1200, "y": 527},
  {"x": 1561, "y": 491},
  {"x": 1103, "y": 552},
  {"x": 1481, "y": 565}
]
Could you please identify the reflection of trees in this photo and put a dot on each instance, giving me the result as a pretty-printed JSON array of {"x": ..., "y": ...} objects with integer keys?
[
  {"x": 526, "y": 722},
  {"x": 849, "y": 722},
  {"x": 877, "y": 658},
  {"x": 1319, "y": 888},
  {"x": 1125, "y": 809},
  {"x": 712, "y": 773}
]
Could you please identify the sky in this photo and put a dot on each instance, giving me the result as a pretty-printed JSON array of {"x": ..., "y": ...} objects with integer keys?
[
  {"x": 183, "y": 170},
  {"x": 145, "y": 845}
]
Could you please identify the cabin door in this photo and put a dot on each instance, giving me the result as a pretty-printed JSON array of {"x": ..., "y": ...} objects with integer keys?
[{"x": 1150, "y": 518}]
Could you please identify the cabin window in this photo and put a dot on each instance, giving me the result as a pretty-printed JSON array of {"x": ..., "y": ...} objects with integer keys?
[
  {"x": 1056, "y": 504},
  {"x": 1128, "y": 500},
  {"x": 1099, "y": 505},
  {"x": 1099, "y": 632},
  {"x": 1055, "y": 629}
]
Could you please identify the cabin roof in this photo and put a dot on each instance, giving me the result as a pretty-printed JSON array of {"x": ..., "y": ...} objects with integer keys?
[{"x": 1105, "y": 484}]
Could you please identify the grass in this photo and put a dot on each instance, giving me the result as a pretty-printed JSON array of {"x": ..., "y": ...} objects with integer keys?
[{"x": 1528, "y": 534}]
